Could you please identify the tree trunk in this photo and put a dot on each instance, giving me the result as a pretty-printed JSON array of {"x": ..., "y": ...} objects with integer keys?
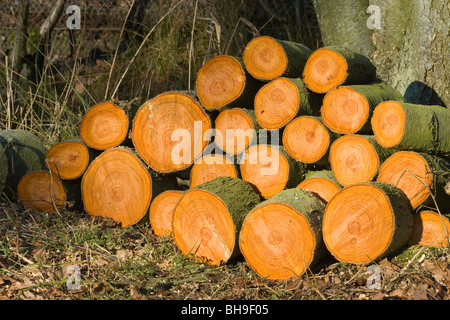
[{"x": 410, "y": 50}]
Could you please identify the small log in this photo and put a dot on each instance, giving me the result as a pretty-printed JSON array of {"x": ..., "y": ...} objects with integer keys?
[
  {"x": 357, "y": 158},
  {"x": 430, "y": 229},
  {"x": 366, "y": 222},
  {"x": 168, "y": 131},
  {"x": 208, "y": 219},
  {"x": 161, "y": 212},
  {"x": 348, "y": 109},
  {"x": 222, "y": 82},
  {"x": 322, "y": 183},
  {"x": 281, "y": 238},
  {"x": 270, "y": 169},
  {"x": 238, "y": 130},
  {"x": 283, "y": 99},
  {"x": 25, "y": 153},
  {"x": 117, "y": 185},
  {"x": 209, "y": 167},
  {"x": 308, "y": 140},
  {"x": 69, "y": 159},
  {"x": 267, "y": 58},
  {"x": 420, "y": 176},
  {"x": 413, "y": 127},
  {"x": 105, "y": 126},
  {"x": 330, "y": 67}
]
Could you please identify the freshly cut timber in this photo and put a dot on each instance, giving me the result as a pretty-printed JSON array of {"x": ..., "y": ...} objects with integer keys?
[
  {"x": 117, "y": 185},
  {"x": 282, "y": 237},
  {"x": 25, "y": 153},
  {"x": 322, "y": 183},
  {"x": 357, "y": 158},
  {"x": 42, "y": 191},
  {"x": 348, "y": 109},
  {"x": 69, "y": 159},
  {"x": 419, "y": 175},
  {"x": 238, "y": 129},
  {"x": 308, "y": 140},
  {"x": 270, "y": 169},
  {"x": 281, "y": 100},
  {"x": 161, "y": 212},
  {"x": 210, "y": 167},
  {"x": 105, "y": 126},
  {"x": 414, "y": 127},
  {"x": 266, "y": 58},
  {"x": 366, "y": 222},
  {"x": 168, "y": 131},
  {"x": 208, "y": 219},
  {"x": 330, "y": 67},
  {"x": 430, "y": 229},
  {"x": 222, "y": 82}
]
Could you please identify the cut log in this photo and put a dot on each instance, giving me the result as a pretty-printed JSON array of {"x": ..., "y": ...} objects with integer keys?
[
  {"x": 238, "y": 129},
  {"x": 42, "y": 191},
  {"x": 367, "y": 222},
  {"x": 266, "y": 58},
  {"x": 308, "y": 140},
  {"x": 117, "y": 185},
  {"x": 281, "y": 238},
  {"x": 208, "y": 219},
  {"x": 69, "y": 159},
  {"x": 357, "y": 158},
  {"x": 330, "y": 67},
  {"x": 25, "y": 153},
  {"x": 348, "y": 109},
  {"x": 270, "y": 169},
  {"x": 105, "y": 126},
  {"x": 430, "y": 229},
  {"x": 209, "y": 167},
  {"x": 161, "y": 212},
  {"x": 168, "y": 131},
  {"x": 406, "y": 126},
  {"x": 420, "y": 176},
  {"x": 322, "y": 183},
  {"x": 222, "y": 82},
  {"x": 283, "y": 99}
]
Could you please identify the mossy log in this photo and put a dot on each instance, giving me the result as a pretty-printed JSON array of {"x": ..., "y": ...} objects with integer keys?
[
  {"x": 366, "y": 222},
  {"x": 210, "y": 167},
  {"x": 208, "y": 219},
  {"x": 322, "y": 183},
  {"x": 414, "y": 127},
  {"x": 267, "y": 58},
  {"x": 283, "y": 99},
  {"x": 25, "y": 152},
  {"x": 281, "y": 238},
  {"x": 349, "y": 109},
  {"x": 333, "y": 66},
  {"x": 430, "y": 229}
]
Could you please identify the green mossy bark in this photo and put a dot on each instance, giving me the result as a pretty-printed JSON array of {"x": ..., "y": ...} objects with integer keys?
[
  {"x": 403, "y": 216},
  {"x": 427, "y": 129},
  {"x": 239, "y": 198},
  {"x": 374, "y": 93},
  {"x": 383, "y": 153},
  {"x": 309, "y": 102},
  {"x": 310, "y": 207},
  {"x": 297, "y": 169},
  {"x": 25, "y": 153}
]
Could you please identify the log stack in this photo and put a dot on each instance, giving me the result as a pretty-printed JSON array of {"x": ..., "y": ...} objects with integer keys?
[{"x": 311, "y": 155}]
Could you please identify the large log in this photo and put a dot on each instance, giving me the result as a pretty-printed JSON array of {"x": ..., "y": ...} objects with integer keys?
[
  {"x": 208, "y": 219},
  {"x": 267, "y": 58},
  {"x": 330, "y": 67},
  {"x": 168, "y": 131},
  {"x": 281, "y": 238},
  {"x": 25, "y": 153},
  {"x": 421, "y": 177},
  {"x": 406, "y": 126},
  {"x": 430, "y": 229},
  {"x": 366, "y": 222},
  {"x": 348, "y": 109}
]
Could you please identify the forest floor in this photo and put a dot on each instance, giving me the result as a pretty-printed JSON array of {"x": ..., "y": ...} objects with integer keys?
[{"x": 39, "y": 253}]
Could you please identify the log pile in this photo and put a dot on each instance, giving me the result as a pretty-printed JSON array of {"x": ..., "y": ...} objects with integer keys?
[{"x": 312, "y": 157}]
